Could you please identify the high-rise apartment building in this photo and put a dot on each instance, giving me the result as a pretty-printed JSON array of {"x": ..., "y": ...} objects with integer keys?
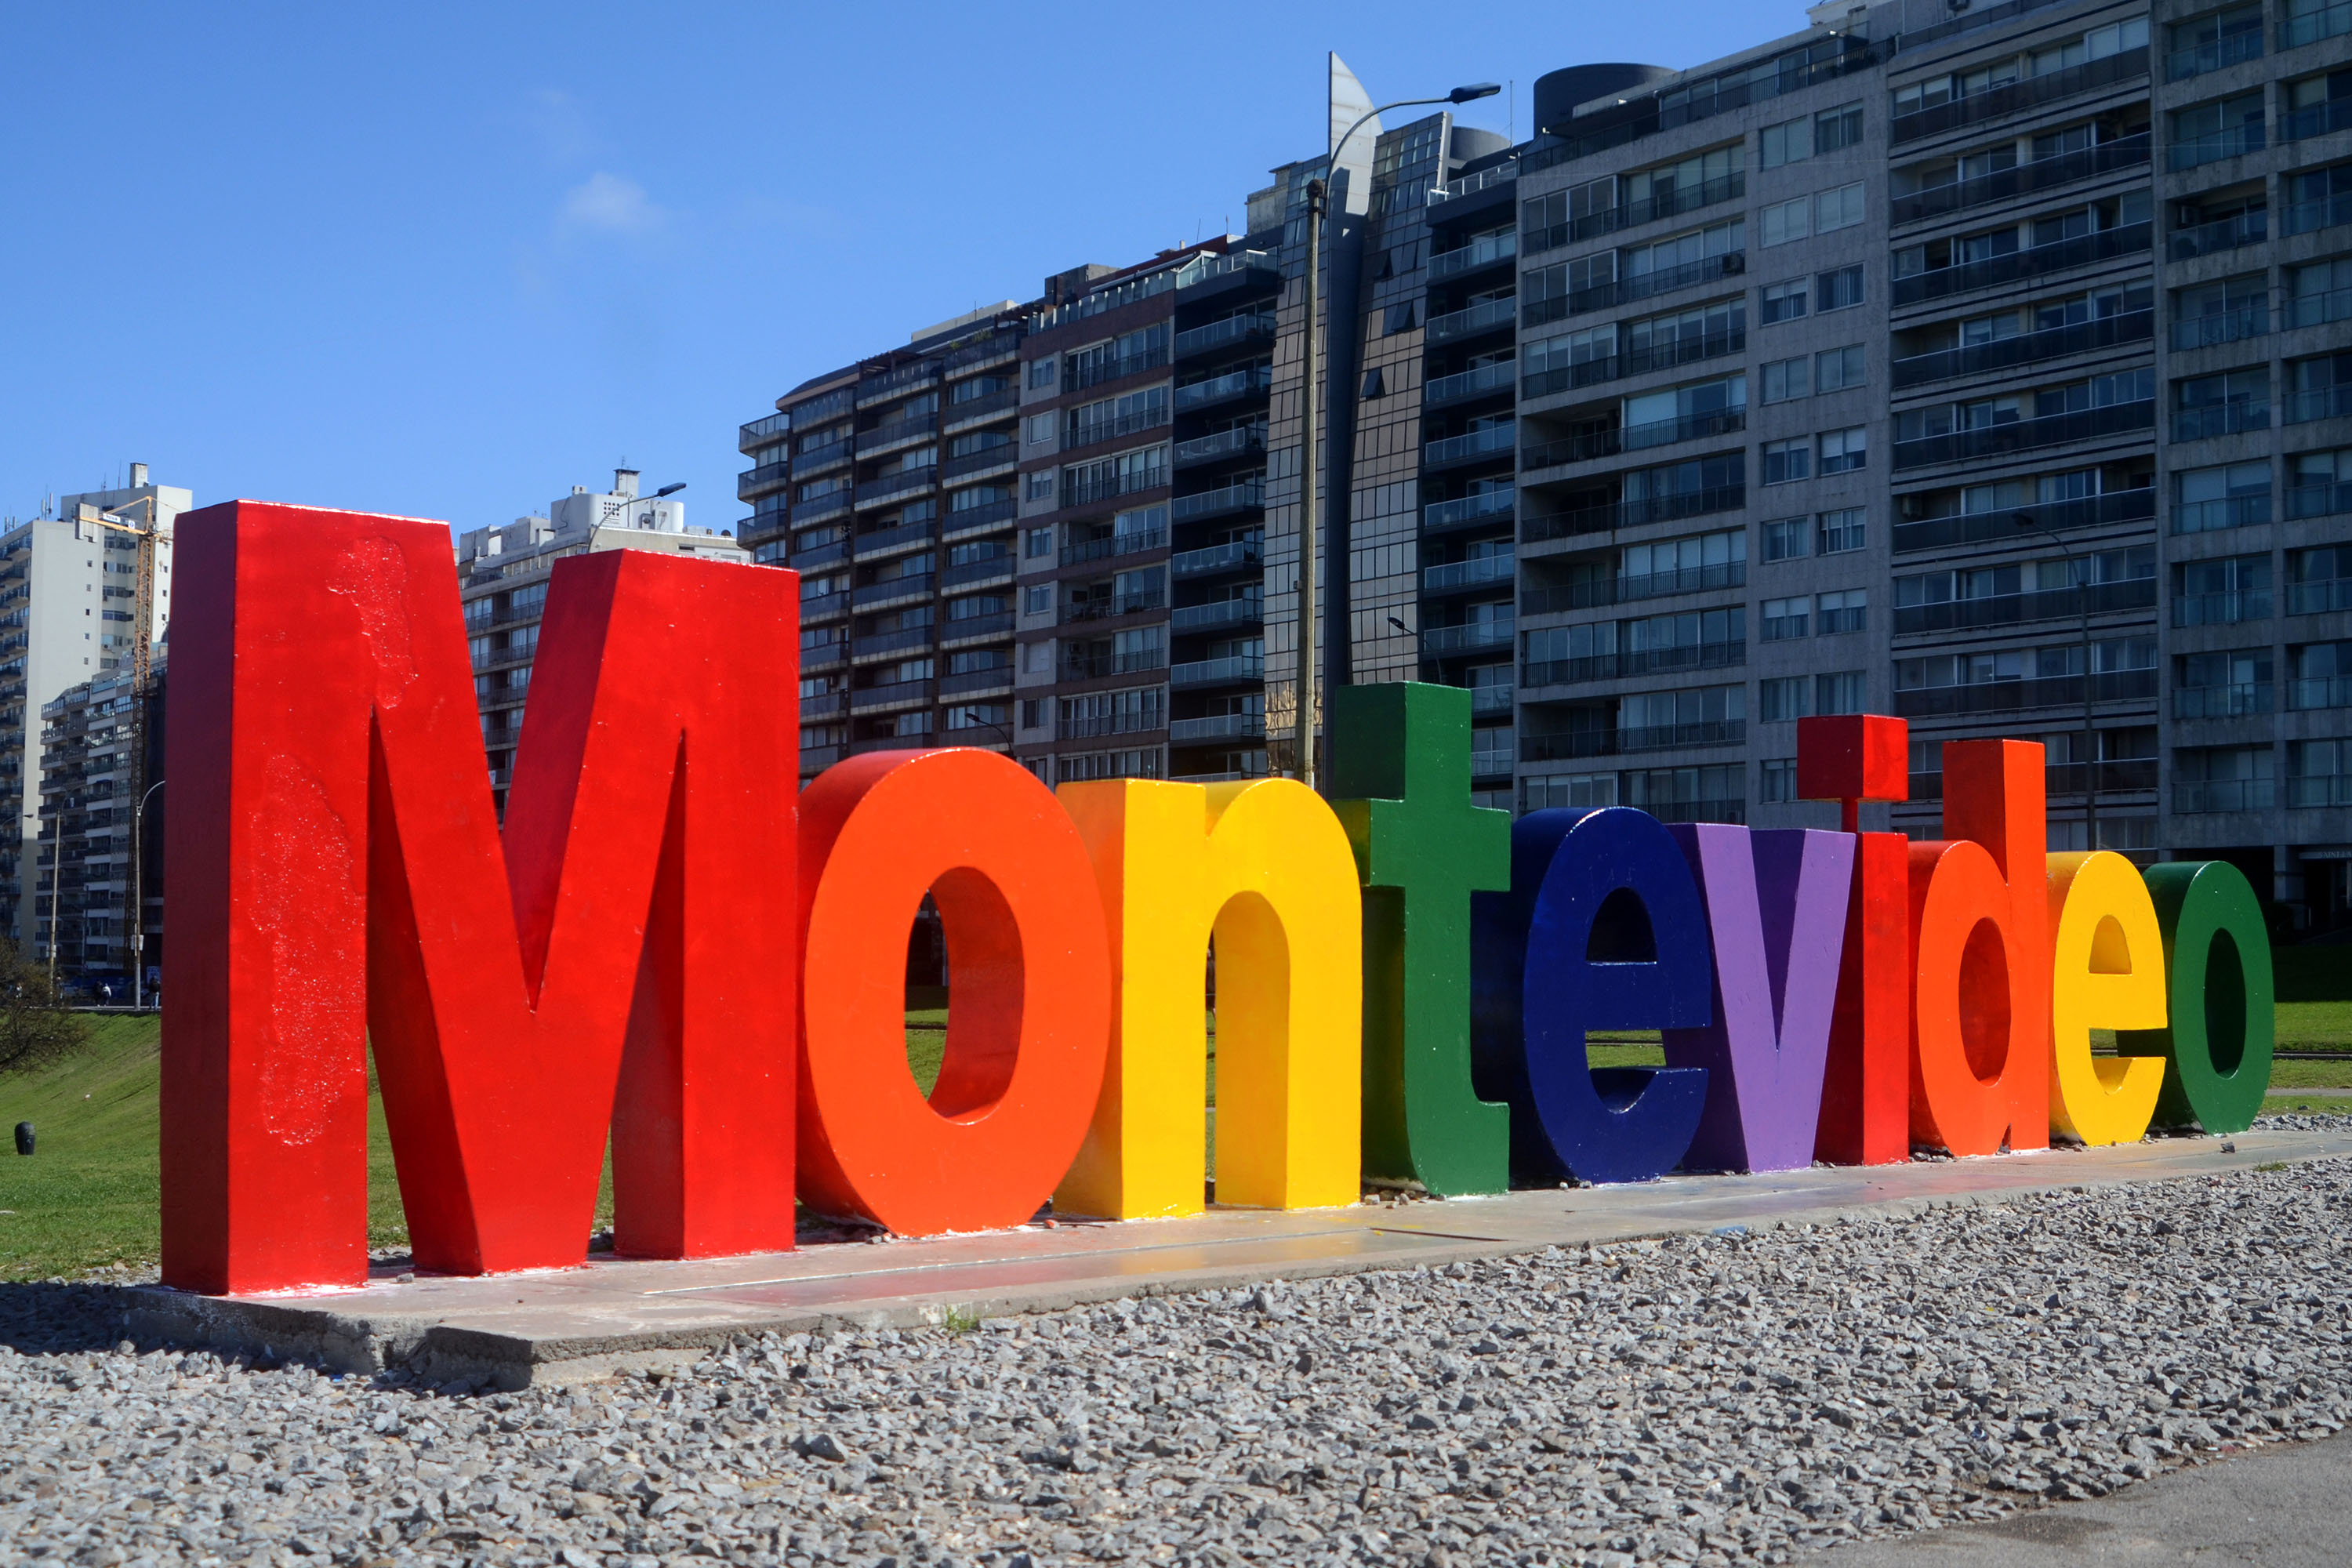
[
  {"x": 502, "y": 579},
  {"x": 101, "y": 822},
  {"x": 84, "y": 595},
  {"x": 1984, "y": 365}
]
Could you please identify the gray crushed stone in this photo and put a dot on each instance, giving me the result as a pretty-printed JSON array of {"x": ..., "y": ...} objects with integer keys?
[{"x": 1716, "y": 1399}]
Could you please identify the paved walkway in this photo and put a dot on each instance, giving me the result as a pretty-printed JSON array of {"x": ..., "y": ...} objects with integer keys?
[
  {"x": 2282, "y": 1507},
  {"x": 516, "y": 1328}
]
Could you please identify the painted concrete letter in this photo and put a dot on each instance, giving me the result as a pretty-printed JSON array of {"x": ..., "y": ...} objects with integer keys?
[
  {"x": 1401, "y": 765},
  {"x": 1265, "y": 868},
  {"x": 337, "y": 878},
  {"x": 2217, "y": 956},
  {"x": 1980, "y": 957},
  {"x": 1602, "y": 930},
  {"x": 1776, "y": 909},
  {"x": 2107, "y": 972},
  {"x": 1029, "y": 1004}
]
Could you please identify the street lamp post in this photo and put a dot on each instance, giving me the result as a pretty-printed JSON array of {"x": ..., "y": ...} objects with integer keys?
[
  {"x": 665, "y": 492},
  {"x": 2090, "y": 729},
  {"x": 1313, "y": 393},
  {"x": 139, "y": 898}
]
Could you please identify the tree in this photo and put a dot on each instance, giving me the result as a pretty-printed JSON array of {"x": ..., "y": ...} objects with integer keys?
[{"x": 33, "y": 1025}]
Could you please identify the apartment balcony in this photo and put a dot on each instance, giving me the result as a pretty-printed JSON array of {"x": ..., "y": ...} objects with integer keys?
[
  {"x": 1111, "y": 607},
  {"x": 897, "y": 434},
  {"x": 1664, "y": 737},
  {"x": 1598, "y": 444},
  {"x": 824, "y": 705},
  {"x": 1634, "y": 214},
  {"x": 1537, "y": 529},
  {"x": 2239, "y": 701},
  {"x": 814, "y": 760},
  {"x": 1978, "y": 527},
  {"x": 1642, "y": 286},
  {"x": 1104, "y": 546},
  {"x": 1237, "y": 271},
  {"x": 2319, "y": 500},
  {"x": 1249, "y": 495},
  {"x": 2319, "y": 310},
  {"x": 1451, "y": 451},
  {"x": 2320, "y": 691},
  {"x": 976, "y": 629},
  {"x": 1217, "y": 726},
  {"x": 2116, "y": 775},
  {"x": 1234, "y": 556},
  {"x": 2010, "y": 97},
  {"x": 1251, "y": 328},
  {"x": 1486, "y": 702},
  {"x": 2212, "y": 796},
  {"x": 2232, "y": 418},
  {"x": 1478, "y": 636},
  {"x": 1722, "y": 654},
  {"x": 886, "y": 645},
  {"x": 1110, "y": 724},
  {"x": 896, "y": 697},
  {"x": 2319, "y": 597},
  {"x": 765, "y": 480},
  {"x": 2318, "y": 120},
  {"x": 2016, "y": 609},
  {"x": 824, "y": 607},
  {"x": 891, "y": 486},
  {"x": 2319, "y": 790},
  {"x": 1095, "y": 665},
  {"x": 1242, "y": 441},
  {"x": 1107, "y": 371},
  {"x": 818, "y": 557},
  {"x": 1487, "y": 181},
  {"x": 977, "y": 682},
  {"x": 2221, "y": 609},
  {"x": 963, "y": 522},
  {"x": 2016, "y": 266},
  {"x": 1457, "y": 576},
  {"x": 1476, "y": 320},
  {"x": 1480, "y": 254},
  {"x": 2040, "y": 175},
  {"x": 2016, "y": 695},
  {"x": 1567, "y": 744},
  {"x": 1631, "y": 588},
  {"x": 881, "y": 595},
  {"x": 2180, "y": 65},
  {"x": 2026, "y": 435},
  {"x": 896, "y": 540},
  {"x": 2331, "y": 22},
  {"x": 979, "y": 410},
  {"x": 1230, "y": 387},
  {"x": 2319, "y": 402},
  {"x": 2221, "y": 512},
  {"x": 820, "y": 509},
  {"x": 973, "y": 573},
  {"x": 821, "y": 656},
  {"x": 1218, "y": 615},
  {"x": 2234, "y": 143},
  {"x": 1677, "y": 350},
  {"x": 999, "y": 458},
  {"x": 2029, "y": 348},
  {"x": 760, "y": 432},
  {"x": 1480, "y": 381},
  {"x": 1483, "y": 508},
  {"x": 2247, "y": 322},
  {"x": 1234, "y": 671},
  {"x": 2306, "y": 217},
  {"x": 2252, "y": 226}
]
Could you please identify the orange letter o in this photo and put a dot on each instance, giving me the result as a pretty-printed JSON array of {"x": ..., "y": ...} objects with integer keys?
[{"x": 1029, "y": 1008}]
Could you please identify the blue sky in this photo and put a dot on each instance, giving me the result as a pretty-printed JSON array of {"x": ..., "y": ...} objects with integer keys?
[{"x": 451, "y": 261}]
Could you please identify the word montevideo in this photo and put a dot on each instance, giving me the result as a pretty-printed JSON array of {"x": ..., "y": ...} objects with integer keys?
[{"x": 665, "y": 948}]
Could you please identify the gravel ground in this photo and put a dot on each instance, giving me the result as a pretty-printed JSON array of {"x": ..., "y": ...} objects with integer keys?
[{"x": 1728, "y": 1398}]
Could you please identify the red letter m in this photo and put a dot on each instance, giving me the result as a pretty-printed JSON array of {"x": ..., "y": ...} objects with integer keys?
[{"x": 624, "y": 961}]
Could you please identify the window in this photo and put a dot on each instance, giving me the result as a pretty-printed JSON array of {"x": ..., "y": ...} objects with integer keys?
[
  {"x": 1375, "y": 382},
  {"x": 1041, "y": 372},
  {"x": 1037, "y": 600},
  {"x": 1835, "y": 370},
  {"x": 1791, "y": 142},
  {"x": 1785, "y": 698},
  {"x": 1839, "y": 208},
  {"x": 1786, "y": 618},
  {"x": 2319, "y": 773},
  {"x": 1786, "y": 221},
  {"x": 1397, "y": 318},
  {"x": 1788, "y": 461},
  {"x": 1836, "y": 128},
  {"x": 1785, "y": 378},
  {"x": 1776, "y": 779},
  {"x": 1840, "y": 290},
  {"x": 1835, "y": 613},
  {"x": 1043, "y": 428},
  {"x": 1041, "y": 543},
  {"x": 1842, "y": 531},
  {"x": 1787, "y": 538},
  {"x": 1037, "y": 658},
  {"x": 1841, "y": 692},
  {"x": 1041, "y": 485},
  {"x": 1784, "y": 302},
  {"x": 1032, "y": 708},
  {"x": 1843, "y": 451}
]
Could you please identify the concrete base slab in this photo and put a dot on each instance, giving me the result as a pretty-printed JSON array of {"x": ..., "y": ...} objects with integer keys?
[{"x": 509, "y": 1331}]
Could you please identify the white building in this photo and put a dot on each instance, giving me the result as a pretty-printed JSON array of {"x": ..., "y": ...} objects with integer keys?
[
  {"x": 72, "y": 589},
  {"x": 502, "y": 575}
]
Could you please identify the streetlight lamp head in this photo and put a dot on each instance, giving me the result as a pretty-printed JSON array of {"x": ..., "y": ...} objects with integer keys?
[
  {"x": 669, "y": 489},
  {"x": 1476, "y": 89},
  {"x": 1399, "y": 626}
]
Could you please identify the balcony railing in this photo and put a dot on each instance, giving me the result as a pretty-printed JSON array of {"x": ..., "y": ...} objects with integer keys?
[
  {"x": 2326, "y": 212},
  {"x": 1003, "y": 455},
  {"x": 2321, "y": 22},
  {"x": 2231, "y": 419},
  {"x": 1633, "y": 215},
  {"x": 1659, "y": 737},
  {"x": 900, "y": 483},
  {"x": 2220, "y": 609},
  {"x": 1488, "y": 700},
  {"x": 2040, "y": 175},
  {"x": 1478, "y": 636},
  {"x": 2027, "y": 348},
  {"x": 970, "y": 627},
  {"x": 2253, "y": 321},
  {"x": 2010, "y": 97},
  {"x": 890, "y": 383},
  {"x": 1248, "y": 610},
  {"x": 760, "y": 432},
  {"x": 1249, "y": 327},
  {"x": 1563, "y": 746},
  {"x": 1675, "y": 350},
  {"x": 1470, "y": 184},
  {"x": 1722, "y": 654},
  {"x": 2235, "y": 143},
  {"x": 2012, "y": 696},
  {"x": 2116, "y": 775},
  {"x": 2320, "y": 691},
  {"x": 1595, "y": 592},
  {"x": 1494, "y": 440},
  {"x": 753, "y": 483},
  {"x": 1631, "y": 513},
  {"x": 883, "y": 539},
  {"x": 2319, "y": 595},
  {"x": 2318, "y": 310},
  {"x": 1476, "y": 573},
  {"x": 2220, "y": 513},
  {"x": 1487, "y": 316},
  {"x": 988, "y": 402},
  {"x": 1110, "y": 606},
  {"x": 1229, "y": 671},
  {"x": 1217, "y": 726},
  {"x": 2239, "y": 701},
  {"x": 896, "y": 590},
  {"x": 998, "y": 679},
  {"x": 1631, "y": 438},
  {"x": 2319, "y": 402},
  {"x": 2234, "y": 50},
  {"x": 2025, "y": 434},
  {"x": 2252, "y": 226},
  {"x": 2310, "y": 790},
  {"x": 897, "y": 433},
  {"x": 981, "y": 570},
  {"x": 1231, "y": 556},
  {"x": 1645, "y": 286},
  {"x": 1134, "y": 542},
  {"x": 2316, "y": 120},
  {"x": 2014, "y": 266},
  {"x": 1484, "y": 251},
  {"x": 2012, "y": 609},
  {"x": 1475, "y": 381},
  {"x": 1468, "y": 511},
  {"x": 2205, "y": 796},
  {"x": 897, "y": 694},
  {"x": 879, "y": 643},
  {"x": 1111, "y": 430},
  {"x": 1200, "y": 394},
  {"x": 2322, "y": 500},
  {"x": 1248, "y": 495},
  {"x": 1240, "y": 441}
]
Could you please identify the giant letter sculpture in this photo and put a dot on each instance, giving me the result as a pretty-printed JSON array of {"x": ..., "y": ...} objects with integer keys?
[
  {"x": 1265, "y": 868},
  {"x": 1775, "y": 907},
  {"x": 1602, "y": 930},
  {"x": 1400, "y": 763},
  {"x": 2217, "y": 958},
  {"x": 1980, "y": 944},
  {"x": 1028, "y": 1011},
  {"x": 337, "y": 878},
  {"x": 2107, "y": 971}
]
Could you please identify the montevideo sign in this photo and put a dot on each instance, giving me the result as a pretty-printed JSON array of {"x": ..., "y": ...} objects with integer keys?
[{"x": 669, "y": 953}]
